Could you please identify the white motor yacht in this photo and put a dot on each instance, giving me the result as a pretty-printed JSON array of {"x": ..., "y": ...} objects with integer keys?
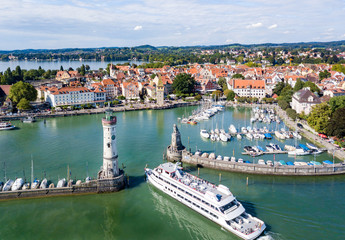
[{"x": 204, "y": 133}]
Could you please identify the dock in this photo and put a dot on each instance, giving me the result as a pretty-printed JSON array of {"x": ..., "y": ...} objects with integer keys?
[
  {"x": 91, "y": 187},
  {"x": 262, "y": 153},
  {"x": 261, "y": 169}
]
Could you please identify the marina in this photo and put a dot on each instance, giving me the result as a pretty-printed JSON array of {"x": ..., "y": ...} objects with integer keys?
[{"x": 284, "y": 203}]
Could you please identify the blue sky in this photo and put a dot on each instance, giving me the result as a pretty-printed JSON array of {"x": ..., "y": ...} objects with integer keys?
[{"x": 104, "y": 23}]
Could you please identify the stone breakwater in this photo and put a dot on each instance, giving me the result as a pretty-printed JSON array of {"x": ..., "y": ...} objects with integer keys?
[
  {"x": 331, "y": 169},
  {"x": 93, "y": 186}
]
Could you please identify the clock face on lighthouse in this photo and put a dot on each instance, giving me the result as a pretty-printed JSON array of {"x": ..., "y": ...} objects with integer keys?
[{"x": 113, "y": 137}]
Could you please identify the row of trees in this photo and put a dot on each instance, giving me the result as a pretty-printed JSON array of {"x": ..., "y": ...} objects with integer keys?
[{"x": 329, "y": 117}]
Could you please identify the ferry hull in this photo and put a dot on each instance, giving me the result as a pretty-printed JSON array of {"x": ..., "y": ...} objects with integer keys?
[{"x": 159, "y": 186}]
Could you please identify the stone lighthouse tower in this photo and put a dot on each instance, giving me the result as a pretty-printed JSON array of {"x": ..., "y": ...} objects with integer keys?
[{"x": 110, "y": 168}]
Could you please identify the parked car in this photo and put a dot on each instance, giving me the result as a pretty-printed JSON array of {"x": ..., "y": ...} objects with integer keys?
[{"x": 299, "y": 125}]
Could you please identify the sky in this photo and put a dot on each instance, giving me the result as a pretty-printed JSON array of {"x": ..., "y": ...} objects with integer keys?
[{"x": 54, "y": 24}]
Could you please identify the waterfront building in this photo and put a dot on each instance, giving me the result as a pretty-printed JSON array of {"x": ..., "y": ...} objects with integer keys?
[
  {"x": 303, "y": 101},
  {"x": 74, "y": 96},
  {"x": 130, "y": 90},
  {"x": 248, "y": 88}
]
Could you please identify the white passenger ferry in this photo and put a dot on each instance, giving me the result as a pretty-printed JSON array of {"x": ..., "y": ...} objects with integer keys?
[{"x": 214, "y": 202}]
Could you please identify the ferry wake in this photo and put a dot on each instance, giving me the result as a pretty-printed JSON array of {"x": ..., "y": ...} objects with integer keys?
[{"x": 216, "y": 203}]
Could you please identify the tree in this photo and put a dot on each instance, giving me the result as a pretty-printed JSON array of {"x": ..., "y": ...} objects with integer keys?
[
  {"x": 313, "y": 87},
  {"x": 237, "y": 75},
  {"x": 324, "y": 74},
  {"x": 183, "y": 83},
  {"x": 338, "y": 68},
  {"x": 278, "y": 88},
  {"x": 61, "y": 68},
  {"x": 198, "y": 97},
  {"x": 216, "y": 94},
  {"x": 336, "y": 126},
  {"x": 319, "y": 117},
  {"x": 24, "y": 104},
  {"x": 222, "y": 83},
  {"x": 337, "y": 102},
  {"x": 283, "y": 104},
  {"x": 82, "y": 70},
  {"x": 21, "y": 90},
  {"x": 230, "y": 95},
  {"x": 286, "y": 93},
  {"x": 291, "y": 113},
  {"x": 299, "y": 85},
  {"x": 87, "y": 67}
]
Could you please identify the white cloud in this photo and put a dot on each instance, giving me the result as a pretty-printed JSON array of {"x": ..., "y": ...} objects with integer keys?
[
  {"x": 255, "y": 25},
  {"x": 273, "y": 26},
  {"x": 228, "y": 41},
  {"x": 137, "y": 28}
]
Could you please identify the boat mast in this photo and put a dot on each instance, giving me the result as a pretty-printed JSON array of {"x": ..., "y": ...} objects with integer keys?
[
  {"x": 32, "y": 170},
  {"x": 5, "y": 171}
]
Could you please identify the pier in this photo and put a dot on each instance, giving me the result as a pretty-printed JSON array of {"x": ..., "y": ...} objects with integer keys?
[
  {"x": 262, "y": 153},
  {"x": 261, "y": 169},
  {"x": 93, "y": 186}
]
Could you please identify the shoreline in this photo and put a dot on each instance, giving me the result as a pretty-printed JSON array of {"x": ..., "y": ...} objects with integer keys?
[{"x": 122, "y": 108}]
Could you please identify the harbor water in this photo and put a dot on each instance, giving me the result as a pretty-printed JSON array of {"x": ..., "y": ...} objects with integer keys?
[{"x": 292, "y": 207}]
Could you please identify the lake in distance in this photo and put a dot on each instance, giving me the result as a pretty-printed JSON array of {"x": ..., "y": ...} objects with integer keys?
[{"x": 291, "y": 207}]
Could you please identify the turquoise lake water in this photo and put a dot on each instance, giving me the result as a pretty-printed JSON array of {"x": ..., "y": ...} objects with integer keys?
[{"x": 292, "y": 207}]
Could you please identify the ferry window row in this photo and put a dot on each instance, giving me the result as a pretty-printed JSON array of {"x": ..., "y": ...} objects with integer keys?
[{"x": 204, "y": 202}]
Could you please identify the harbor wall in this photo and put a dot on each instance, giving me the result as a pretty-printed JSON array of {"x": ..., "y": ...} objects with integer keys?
[
  {"x": 333, "y": 169},
  {"x": 93, "y": 186}
]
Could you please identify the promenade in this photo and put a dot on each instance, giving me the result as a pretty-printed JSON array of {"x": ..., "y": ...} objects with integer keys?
[{"x": 119, "y": 108}]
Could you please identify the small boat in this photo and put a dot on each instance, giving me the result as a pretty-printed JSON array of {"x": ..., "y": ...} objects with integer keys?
[
  {"x": 219, "y": 157},
  {"x": 212, "y": 156},
  {"x": 232, "y": 159},
  {"x": 87, "y": 179},
  {"x": 289, "y": 163},
  {"x": 26, "y": 186},
  {"x": 8, "y": 185},
  {"x": 44, "y": 184},
  {"x": 205, "y": 155},
  {"x": 261, "y": 162},
  {"x": 197, "y": 153},
  {"x": 269, "y": 148},
  {"x": 232, "y": 129},
  {"x": 300, "y": 163},
  {"x": 282, "y": 162},
  {"x": 249, "y": 136},
  {"x": 226, "y": 159},
  {"x": 239, "y": 136},
  {"x": 290, "y": 148},
  {"x": 223, "y": 137},
  {"x": 268, "y": 136},
  {"x": 299, "y": 152},
  {"x": 312, "y": 146},
  {"x": 192, "y": 122},
  {"x": 315, "y": 163},
  {"x": 61, "y": 183},
  {"x": 296, "y": 135},
  {"x": 29, "y": 119},
  {"x": 279, "y": 135},
  {"x": 240, "y": 160},
  {"x": 269, "y": 163},
  {"x": 327, "y": 162},
  {"x": 17, "y": 185},
  {"x": 204, "y": 133},
  {"x": 6, "y": 126},
  {"x": 35, "y": 184}
]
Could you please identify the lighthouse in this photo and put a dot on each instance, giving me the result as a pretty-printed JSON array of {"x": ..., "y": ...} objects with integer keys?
[{"x": 110, "y": 168}]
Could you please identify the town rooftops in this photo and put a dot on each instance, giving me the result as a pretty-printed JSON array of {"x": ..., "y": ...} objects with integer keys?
[{"x": 253, "y": 84}]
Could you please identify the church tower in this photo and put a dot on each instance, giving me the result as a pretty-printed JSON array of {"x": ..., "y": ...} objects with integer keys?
[
  {"x": 160, "y": 92},
  {"x": 110, "y": 168}
]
